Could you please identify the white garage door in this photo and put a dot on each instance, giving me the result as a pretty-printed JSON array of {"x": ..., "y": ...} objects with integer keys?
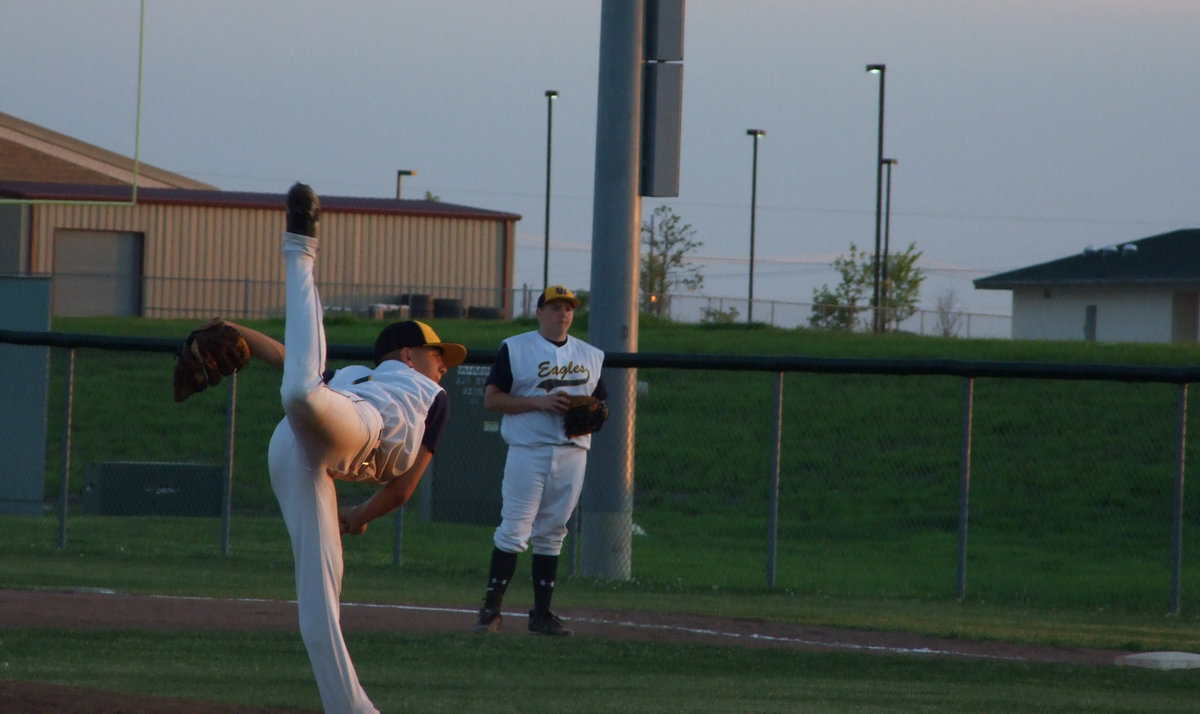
[{"x": 97, "y": 273}]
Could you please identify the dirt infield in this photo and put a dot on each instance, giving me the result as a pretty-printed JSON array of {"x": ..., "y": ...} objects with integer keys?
[{"x": 20, "y": 609}]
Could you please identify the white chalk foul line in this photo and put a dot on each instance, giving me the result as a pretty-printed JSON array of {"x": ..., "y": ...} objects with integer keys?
[
  {"x": 700, "y": 631},
  {"x": 795, "y": 640}
]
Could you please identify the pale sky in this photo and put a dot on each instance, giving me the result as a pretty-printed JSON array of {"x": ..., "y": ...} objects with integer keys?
[{"x": 1025, "y": 130}]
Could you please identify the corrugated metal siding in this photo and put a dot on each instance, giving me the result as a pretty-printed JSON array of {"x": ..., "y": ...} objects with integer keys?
[{"x": 202, "y": 261}]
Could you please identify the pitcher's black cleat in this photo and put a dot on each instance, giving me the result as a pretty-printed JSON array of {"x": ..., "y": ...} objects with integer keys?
[{"x": 303, "y": 210}]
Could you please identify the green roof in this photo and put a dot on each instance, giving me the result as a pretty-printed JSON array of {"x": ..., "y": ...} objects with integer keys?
[{"x": 1167, "y": 258}]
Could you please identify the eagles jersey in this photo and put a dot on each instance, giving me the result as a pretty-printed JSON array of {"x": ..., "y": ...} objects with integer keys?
[{"x": 538, "y": 367}]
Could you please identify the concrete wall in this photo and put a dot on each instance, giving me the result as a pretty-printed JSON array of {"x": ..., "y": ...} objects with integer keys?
[
  {"x": 1122, "y": 314},
  {"x": 24, "y": 382}
]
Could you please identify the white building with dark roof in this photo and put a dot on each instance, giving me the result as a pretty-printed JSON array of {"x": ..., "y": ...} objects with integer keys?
[{"x": 1145, "y": 290}]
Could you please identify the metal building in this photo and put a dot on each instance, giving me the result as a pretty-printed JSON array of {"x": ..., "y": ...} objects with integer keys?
[{"x": 180, "y": 248}]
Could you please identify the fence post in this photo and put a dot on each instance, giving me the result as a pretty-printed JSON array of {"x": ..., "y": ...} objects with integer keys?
[
  {"x": 227, "y": 492},
  {"x": 773, "y": 515},
  {"x": 1177, "y": 531},
  {"x": 68, "y": 409},
  {"x": 965, "y": 483}
]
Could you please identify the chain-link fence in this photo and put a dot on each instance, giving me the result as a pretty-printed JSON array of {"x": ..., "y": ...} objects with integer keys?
[
  {"x": 200, "y": 298},
  {"x": 686, "y": 307},
  {"x": 1004, "y": 482}
]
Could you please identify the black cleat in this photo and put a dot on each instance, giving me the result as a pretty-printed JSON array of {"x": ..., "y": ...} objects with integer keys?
[
  {"x": 303, "y": 210},
  {"x": 489, "y": 620},
  {"x": 547, "y": 623}
]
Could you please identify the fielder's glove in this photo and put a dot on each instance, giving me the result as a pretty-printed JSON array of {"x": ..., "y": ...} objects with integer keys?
[
  {"x": 585, "y": 414},
  {"x": 210, "y": 353}
]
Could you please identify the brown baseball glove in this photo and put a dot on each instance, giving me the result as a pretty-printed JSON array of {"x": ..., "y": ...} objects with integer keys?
[
  {"x": 210, "y": 353},
  {"x": 585, "y": 414}
]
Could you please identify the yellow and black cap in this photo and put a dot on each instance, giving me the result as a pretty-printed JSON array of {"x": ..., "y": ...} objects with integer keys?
[
  {"x": 412, "y": 333},
  {"x": 557, "y": 293}
]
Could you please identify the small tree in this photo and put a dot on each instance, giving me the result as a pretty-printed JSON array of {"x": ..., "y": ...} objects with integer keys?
[
  {"x": 949, "y": 318},
  {"x": 665, "y": 247},
  {"x": 840, "y": 308},
  {"x": 904, "y": 280}
]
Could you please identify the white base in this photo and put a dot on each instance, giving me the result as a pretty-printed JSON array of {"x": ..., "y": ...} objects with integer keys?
[{"x": 1160, "y": 660}]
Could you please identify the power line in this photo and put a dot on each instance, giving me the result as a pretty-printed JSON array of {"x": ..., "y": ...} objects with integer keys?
[{"x": 768, "y": 207}]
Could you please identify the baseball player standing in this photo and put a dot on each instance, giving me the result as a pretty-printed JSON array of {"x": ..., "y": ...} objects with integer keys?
[
  {"x": 378, "y": 425},
  {"x": 529, "y": 384}
]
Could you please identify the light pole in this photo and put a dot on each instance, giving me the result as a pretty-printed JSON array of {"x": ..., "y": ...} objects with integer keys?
[
  {"x": 881, "y": 70},
  {"x": 551, "y": 94},
  {"x": 400, "y": 176},
  {"x": 887, "y": 230},
  {"x": 757, "y": 134}
]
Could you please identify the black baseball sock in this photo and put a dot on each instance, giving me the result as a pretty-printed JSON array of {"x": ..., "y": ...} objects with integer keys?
[
  {"x": 503, "y": 566},
  {"x": 545, "y": 569}
]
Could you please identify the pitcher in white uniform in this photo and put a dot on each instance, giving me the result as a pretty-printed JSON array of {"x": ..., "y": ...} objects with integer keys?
[{"x": 378, "y": 425}]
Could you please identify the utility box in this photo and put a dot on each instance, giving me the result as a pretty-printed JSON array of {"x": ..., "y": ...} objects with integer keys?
[
  {"x": 469, "y": 465},
  {"x": 663, "y": 31},
  {"x": 662, "y": 119},
  {"x": 152, "y": 488}
]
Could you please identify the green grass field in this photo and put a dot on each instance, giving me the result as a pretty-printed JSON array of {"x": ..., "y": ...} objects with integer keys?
[
  {"x": 467, "y": 673},
  {"x": 1069, "y": 539}
]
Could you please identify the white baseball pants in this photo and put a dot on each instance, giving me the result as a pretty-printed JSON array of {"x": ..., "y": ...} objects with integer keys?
[
  {"x": 540, "y": 489},
  {"x": 323, "y": 430}
]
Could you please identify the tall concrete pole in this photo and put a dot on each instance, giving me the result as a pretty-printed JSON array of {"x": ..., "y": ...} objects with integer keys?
[{"x": 606, "y": 505}]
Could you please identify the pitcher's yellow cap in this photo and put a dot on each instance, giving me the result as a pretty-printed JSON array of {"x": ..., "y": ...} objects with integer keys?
[{"x": 412, "y": 333}]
